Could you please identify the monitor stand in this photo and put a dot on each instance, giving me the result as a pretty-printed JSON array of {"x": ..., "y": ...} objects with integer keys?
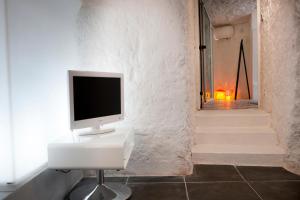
[{"x": 97, "y": 131}]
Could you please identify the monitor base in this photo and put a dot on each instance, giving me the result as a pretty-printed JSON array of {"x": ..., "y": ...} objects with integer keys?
[{"x": 97, "y": 131}]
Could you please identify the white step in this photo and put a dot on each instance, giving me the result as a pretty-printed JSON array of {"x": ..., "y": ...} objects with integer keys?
[
  {"x": 235, "y": 135},
  {"x": 232, "y": 118},
  {"x": 268, "y": 155}
]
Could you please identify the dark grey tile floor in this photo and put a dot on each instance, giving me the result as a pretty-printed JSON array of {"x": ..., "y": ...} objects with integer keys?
[{"x": 217, "y": 182}]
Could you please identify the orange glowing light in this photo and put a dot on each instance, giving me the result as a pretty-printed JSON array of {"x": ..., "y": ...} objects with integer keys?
[
  {"x": 227, "y": 95},
  {"x": 207, "y": 95},
  {"x": 228, "y": 98},
  {"x": 220, "y": 95}
]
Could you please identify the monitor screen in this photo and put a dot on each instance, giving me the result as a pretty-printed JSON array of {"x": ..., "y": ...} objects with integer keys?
[{"x": 96, "y": 97}]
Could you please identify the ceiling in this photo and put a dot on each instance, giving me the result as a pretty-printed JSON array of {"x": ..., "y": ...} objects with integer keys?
[{"x": 224, "y": 12}]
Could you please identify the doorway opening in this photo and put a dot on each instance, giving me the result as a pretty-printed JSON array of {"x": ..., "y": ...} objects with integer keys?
[{"x": 228, "y": 36}]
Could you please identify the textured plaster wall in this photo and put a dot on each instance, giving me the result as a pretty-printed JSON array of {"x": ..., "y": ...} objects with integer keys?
[
  {"x": 293, "y": 158},
  {"x": 149, "y": 42},
  {"x": 228, "y": 11},
  {"x": 280, "y": 73}
]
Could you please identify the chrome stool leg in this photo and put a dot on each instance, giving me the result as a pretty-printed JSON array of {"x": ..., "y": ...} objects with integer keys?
[{"x": 100, "y": 191}]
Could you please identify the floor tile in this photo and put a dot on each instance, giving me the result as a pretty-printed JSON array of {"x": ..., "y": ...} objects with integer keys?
[
  {"x": 289, "y": 190},
  {"x": 158, "y": 191},
  {"x": 4, "y": 194},
  {"x": 221, "y": 191},
  {"x": 84, "y": 187},
  {"x": 155, "y": 179},
  {"x": 266, "y": 173},
  {"x": 213, "y": 173}
]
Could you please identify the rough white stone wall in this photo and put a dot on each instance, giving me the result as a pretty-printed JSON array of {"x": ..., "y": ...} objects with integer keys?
[
  {"x": 153, "y": 43},
  {"x": 228, "y": 11},
  {"x": 280, "y": 73},
  {"x": 293, "y": 157},
  {"x": 147, "y": 41}
]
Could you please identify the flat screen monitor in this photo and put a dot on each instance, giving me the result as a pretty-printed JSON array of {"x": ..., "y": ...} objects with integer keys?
[{"x": 96, "y": 98}]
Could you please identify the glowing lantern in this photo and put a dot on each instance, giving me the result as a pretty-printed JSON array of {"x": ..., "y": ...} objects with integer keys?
[
  {"x": 227, "y": 95},
  {"x": 228, "y": 98},
  {"x": 207, "y": 95},
  {"x": 220, "y": 95}
]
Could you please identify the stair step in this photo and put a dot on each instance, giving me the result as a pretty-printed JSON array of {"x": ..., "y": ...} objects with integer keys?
[
  {"x": 233, "y": 112},
  {"x": 267, "y": 155},
  {"x": 232, "y": 118},
  {"x": 236, "y": 139},
  {"x": 238, "y": 136},
  {"x": 235, "y": 130}
]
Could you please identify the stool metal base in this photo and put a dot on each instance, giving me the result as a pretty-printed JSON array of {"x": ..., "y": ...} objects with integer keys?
[
  {"x": 100, "y": 191},
  {"x": 109, "y": 191}
]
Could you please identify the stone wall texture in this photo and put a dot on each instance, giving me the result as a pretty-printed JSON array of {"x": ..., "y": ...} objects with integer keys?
[
  {"x": 293, "y": 144},
  {"x": 228, "y": 11},
  {"x": 147, "y": 41},
  {"x": 153, "y": 44},
  {"x": 280, "y": 73}
]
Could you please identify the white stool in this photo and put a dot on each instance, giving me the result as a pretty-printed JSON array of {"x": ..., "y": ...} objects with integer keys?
[{"x": 108, "y": 151}]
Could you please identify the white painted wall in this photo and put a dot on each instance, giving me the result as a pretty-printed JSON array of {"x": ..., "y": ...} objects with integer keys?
[
  {"x": 42, "y": 47},
  {"x": 147, "y": 41},
  {"x": 6, "y": 168}
]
